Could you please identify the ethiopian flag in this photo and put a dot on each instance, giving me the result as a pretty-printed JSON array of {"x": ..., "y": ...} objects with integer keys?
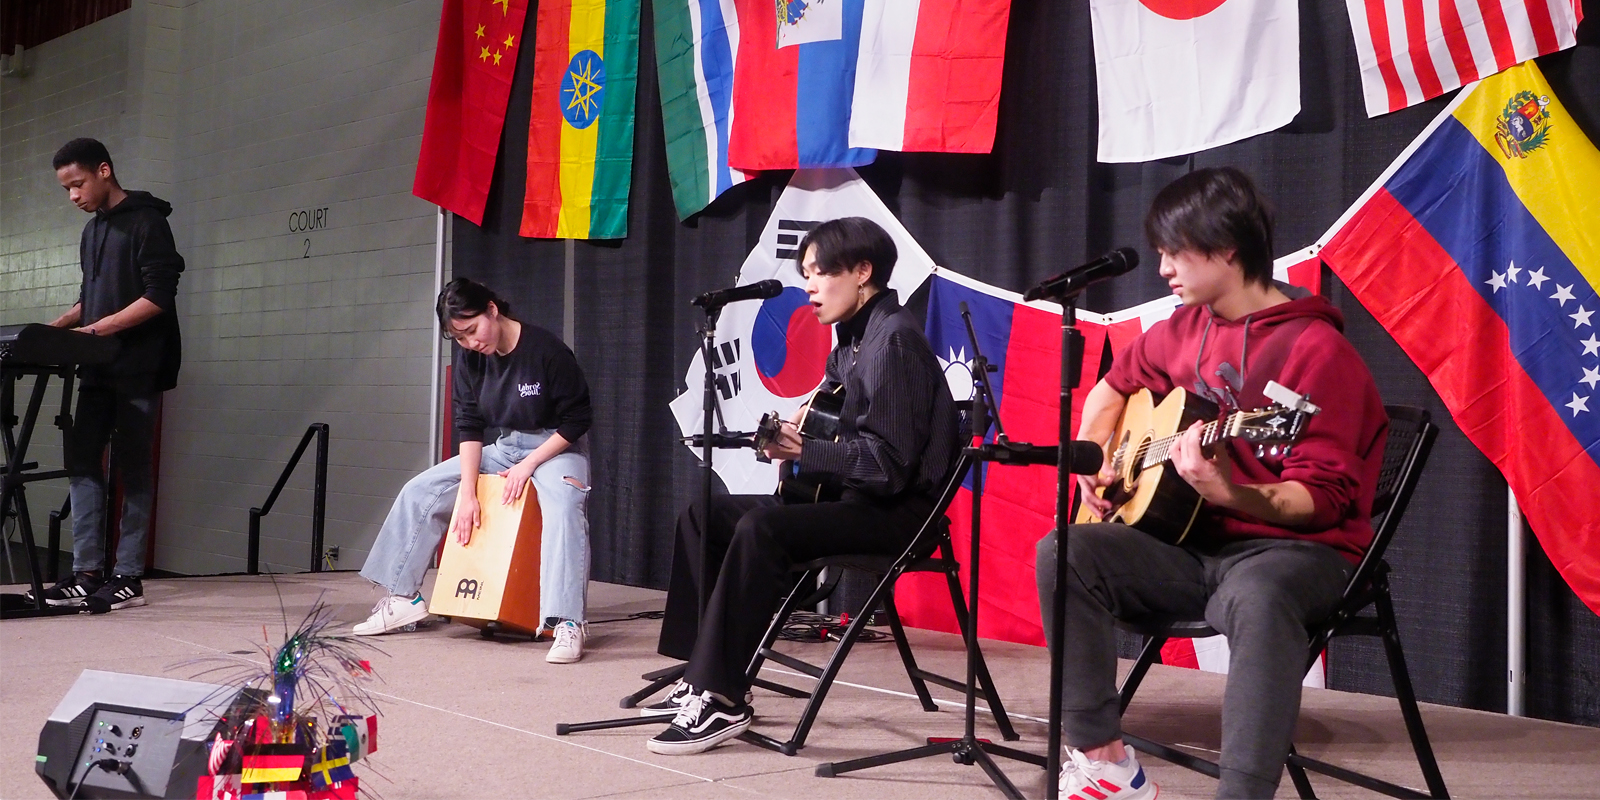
[{"x": 580, "y": 132}]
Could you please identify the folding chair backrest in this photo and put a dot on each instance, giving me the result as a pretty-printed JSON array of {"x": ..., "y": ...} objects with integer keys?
[{"x": 1406, "y": 449}]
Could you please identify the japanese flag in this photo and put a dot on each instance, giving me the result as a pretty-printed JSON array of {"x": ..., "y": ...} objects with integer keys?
[{"x": 1181, "y": 76}]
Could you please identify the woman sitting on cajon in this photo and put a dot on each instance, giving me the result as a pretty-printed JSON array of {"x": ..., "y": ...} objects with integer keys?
[{"x": 522, "y": 379}]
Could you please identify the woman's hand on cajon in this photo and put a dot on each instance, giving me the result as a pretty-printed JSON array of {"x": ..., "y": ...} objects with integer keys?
[
  {"x": 516, "y": 480},
  {"x": 468, "y": 518}
]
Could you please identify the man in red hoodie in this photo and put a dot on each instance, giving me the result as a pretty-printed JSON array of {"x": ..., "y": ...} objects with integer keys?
[{"x": 1277, "y": 537}]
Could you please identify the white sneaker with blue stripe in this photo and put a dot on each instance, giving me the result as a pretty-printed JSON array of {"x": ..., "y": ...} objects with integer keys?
[{"x": 393, "y": 613}]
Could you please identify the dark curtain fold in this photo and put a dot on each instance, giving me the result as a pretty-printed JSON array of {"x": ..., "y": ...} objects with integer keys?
[
  {"x": 1039, "y": 204},
  {"x": 31, "y": 23}
]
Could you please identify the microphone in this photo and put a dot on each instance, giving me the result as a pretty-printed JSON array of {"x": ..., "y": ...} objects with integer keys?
[
  {"x": 1086, "y": 456},
  {"x": 1076, "y": 280},
  {"x": 760, "y": 290}
]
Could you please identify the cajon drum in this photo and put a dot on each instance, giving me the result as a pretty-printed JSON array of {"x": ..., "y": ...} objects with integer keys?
[{"x": 495, "y": 578}]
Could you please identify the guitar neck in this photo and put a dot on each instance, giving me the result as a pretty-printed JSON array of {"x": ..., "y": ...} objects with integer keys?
[{"x": 1159, "y": 451}]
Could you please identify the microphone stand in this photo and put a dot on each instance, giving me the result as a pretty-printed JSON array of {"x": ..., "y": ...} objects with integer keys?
[
  {"x": 1071, "y": 370},
  {"x": 709, "y": 440},
  {"x": 968, "y": 749}
]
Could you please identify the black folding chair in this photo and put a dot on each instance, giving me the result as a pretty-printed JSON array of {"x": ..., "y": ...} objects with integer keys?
[
  {"x": 930, "y": 551},
  {"x": 1410, "y": 438}
]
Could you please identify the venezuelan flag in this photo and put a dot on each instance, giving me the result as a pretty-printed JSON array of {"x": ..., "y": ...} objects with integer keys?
[
  {"x": 1479, "y": 251},
  {"x": 580, "y": 132}
]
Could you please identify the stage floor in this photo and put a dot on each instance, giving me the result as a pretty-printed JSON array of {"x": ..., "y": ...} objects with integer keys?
[{"x": 468, "y": 717}]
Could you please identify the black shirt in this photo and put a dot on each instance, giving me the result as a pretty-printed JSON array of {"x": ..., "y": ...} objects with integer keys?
[
  {"x": 898, "y": 432},
  {"x": 536, "y": 386}
]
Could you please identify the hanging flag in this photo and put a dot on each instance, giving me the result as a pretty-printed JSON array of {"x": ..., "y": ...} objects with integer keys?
[
  {"x": 472, "y": 69},
  {"x": 1413, "y": 50},
  {"x": 580, "y": 131},
  {"x": 695, "y": 45},
  {"x": 1478, "y": 251},
  {"x": 795, "y": 74},
  {"x": 1181, "y": 76},
  {"x": 770, "y": 355},
  {"x": 1022, "y": 341},
  {"x": 928, "y": 75}
]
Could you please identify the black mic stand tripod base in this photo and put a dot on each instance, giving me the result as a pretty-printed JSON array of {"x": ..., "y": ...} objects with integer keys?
[
  {"x": 968, "y": 749},
  {"x": 662, "y": 678}
]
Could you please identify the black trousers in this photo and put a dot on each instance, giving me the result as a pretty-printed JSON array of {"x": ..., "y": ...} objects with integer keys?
[{"x": 753, "y": 543}]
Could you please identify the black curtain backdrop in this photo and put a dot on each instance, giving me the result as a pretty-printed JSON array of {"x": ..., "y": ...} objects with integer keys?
[{"x": 1039, "y": 204}]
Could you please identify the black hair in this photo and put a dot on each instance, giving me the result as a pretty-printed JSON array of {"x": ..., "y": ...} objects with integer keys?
[
  {"x": 464, "y": 298},
  {"x": 1210, "y": 211},
  {"x": 845, "y": 242},
  {"x": 86, "y": 153}
]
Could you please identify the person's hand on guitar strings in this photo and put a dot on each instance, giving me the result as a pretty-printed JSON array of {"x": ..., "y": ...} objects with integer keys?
[
  {"x": 1089, "y": 487},
  {"x": 1210, "y": 473},
  {"x": 516, "y": 480},
  {"x": 786, "y": 444},
  {"x": 468, "y": 518}
]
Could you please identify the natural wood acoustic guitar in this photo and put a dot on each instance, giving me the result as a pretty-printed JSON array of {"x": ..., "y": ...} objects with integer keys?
[{"x": 1150, "y": 495}]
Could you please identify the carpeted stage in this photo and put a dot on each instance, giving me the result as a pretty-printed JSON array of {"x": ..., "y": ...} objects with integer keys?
[{"x": 466, "y": 717}]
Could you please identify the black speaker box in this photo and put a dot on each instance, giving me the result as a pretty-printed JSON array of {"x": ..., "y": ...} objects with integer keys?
[{"x": 122, "y": 735}]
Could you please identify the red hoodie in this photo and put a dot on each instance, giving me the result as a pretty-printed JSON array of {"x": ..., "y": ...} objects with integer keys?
[{"x": 1339, "y": 455}]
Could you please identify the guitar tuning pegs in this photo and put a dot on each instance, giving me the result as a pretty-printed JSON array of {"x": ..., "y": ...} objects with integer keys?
[
  {"x": 1261, "y": 451},
  {"x": 1286, "y": 450}
]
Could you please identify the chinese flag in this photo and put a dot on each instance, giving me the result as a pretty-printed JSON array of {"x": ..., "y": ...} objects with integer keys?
[{"x": 472, "y": 69}]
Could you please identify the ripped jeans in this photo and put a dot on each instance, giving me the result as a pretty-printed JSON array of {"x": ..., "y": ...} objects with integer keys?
[{"x": 420, "y": 517}]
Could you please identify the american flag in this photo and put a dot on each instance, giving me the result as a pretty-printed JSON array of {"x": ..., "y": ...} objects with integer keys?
[{"x": 1413, "y": 50}]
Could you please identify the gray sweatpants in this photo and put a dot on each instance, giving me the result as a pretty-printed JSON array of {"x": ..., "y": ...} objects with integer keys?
[{"x": 1261, "y": 593}]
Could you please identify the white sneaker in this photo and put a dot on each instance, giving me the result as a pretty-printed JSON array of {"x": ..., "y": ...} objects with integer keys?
[
  {"x": 568, "y": 646},
  {"x": 391, "y": 613},
  {"x": 1085, "y": 779}
]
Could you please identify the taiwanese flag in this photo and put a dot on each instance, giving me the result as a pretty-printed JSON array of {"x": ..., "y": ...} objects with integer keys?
[
  {"x": 472, "y": 68},
  {"x": 580, "y": 131},
  {"x": 1479, "y": 251},
  {"x": 1023, "y": 342},
  {"x": 928, "y": 75},
  {"x": 794, "y": 77}
]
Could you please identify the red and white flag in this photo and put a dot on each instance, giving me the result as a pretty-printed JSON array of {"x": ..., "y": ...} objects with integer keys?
[
  {"x": 1413, "y": 50},
  {"x": 928, "y": 75},
  {"x": 1181, "y": 76}
]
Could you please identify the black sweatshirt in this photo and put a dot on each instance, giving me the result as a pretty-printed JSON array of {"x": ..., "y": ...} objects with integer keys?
[
  {"x": 898, "y": 431},
  {"x": 536, "y": 386},
  {"x": 127, "y": 253}
]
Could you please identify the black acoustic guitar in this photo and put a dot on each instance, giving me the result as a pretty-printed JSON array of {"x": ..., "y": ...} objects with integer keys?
[{"x": 819, "y": 419}]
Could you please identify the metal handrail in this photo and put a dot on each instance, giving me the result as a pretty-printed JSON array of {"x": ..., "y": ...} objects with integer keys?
[{"x": 319, "y": 501}]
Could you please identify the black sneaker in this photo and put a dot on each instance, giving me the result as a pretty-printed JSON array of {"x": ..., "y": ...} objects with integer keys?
[
  {"x": 671, "y": 704},
  {"x": 72, "y": 590},
  {"x": 119, "y": 592},
  {"x": 703, "y": 723}
]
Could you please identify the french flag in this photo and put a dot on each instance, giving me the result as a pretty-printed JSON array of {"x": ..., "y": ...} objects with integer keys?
[
  {"x": 928, "y": 75},
  {"x": 794, "y": 76}
]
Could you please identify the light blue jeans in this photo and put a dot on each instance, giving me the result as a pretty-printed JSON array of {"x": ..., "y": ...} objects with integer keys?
[{"x": 420, "y": 517}]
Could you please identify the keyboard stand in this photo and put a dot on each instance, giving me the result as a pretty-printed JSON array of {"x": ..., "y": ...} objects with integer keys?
[{"x": 18, "y": 473}]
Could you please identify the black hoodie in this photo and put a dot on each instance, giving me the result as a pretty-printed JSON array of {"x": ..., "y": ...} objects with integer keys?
[{"x": 127, "y": 253}]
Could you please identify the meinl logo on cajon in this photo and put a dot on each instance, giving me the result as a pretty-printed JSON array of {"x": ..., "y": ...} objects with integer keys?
[{"x": 468, "y": 588}]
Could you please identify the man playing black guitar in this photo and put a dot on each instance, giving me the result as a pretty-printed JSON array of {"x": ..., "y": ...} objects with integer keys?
[
  {"x": 1277, "y": 535},
  {"x": 898, "y": 438}
]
